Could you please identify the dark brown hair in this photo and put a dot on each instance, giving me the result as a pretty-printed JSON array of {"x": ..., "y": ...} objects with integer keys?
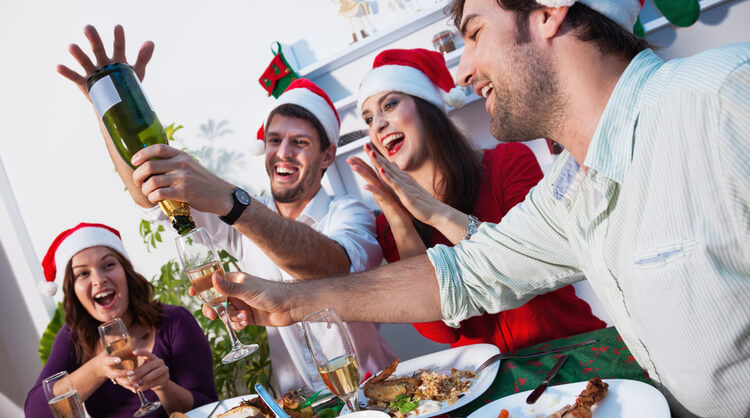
[
  {"x": 459, "y": 165},
  {"x": 142, "y": 306},
  {"x": 590, "y": 26}
]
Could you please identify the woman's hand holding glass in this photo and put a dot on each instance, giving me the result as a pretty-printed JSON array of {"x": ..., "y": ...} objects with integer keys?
[
  {"x": 152, "y": 374},
  {"x": 109, "y": 367},
  {"x": 117, "y": 342}
]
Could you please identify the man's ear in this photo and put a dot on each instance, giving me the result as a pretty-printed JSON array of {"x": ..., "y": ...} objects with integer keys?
[
  {"x": 329, "y": 156},
  {"x": 546, "y": 22}
]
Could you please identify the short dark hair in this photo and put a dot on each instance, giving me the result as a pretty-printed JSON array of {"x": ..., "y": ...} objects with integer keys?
[
  {"x": 589, "y": 25},
  {"x": 295, "y": 111}
]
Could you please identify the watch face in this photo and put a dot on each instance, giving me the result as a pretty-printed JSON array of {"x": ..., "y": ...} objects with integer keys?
[{"x": 242, "y": 196}]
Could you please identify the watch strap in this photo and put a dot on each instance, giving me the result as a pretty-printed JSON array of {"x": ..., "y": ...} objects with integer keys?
[{"x": 237, "y": 208}]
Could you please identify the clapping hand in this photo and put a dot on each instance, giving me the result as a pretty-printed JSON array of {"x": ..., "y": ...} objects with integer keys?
[
  {"x": 97, "y": 47},
  {"x": 414, "y": 198}
]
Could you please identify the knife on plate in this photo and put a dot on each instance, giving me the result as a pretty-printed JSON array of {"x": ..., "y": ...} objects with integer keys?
[
  {"x": 270, "y": 401},
  {"x": 550, "y": 375}
]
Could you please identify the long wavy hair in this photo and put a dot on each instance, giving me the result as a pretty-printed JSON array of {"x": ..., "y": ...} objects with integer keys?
[
  {"x": 142, "y": 306},
  {"x": 459, "y": 165}
]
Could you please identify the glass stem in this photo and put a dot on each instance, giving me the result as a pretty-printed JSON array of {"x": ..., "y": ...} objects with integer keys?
[
  {"x": 142, "y": 397},
  {"x": 221, "y": 310},
  {"x": 352, "y": 403}
]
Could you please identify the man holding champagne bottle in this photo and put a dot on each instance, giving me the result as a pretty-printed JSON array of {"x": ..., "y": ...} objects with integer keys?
[{"x": 271, "y": 236}]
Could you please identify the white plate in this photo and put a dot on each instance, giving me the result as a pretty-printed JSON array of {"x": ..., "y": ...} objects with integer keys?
[
  {"x": 226, "y": 405},
  {"x": 626, "y": 398},
  {"x": 466, "y": 357}
]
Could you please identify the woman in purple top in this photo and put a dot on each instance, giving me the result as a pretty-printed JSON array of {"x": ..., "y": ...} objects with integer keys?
[{"x": 99, "y": 285}]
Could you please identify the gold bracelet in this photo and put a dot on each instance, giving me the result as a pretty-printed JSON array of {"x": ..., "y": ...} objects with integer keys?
[{"x": 114, "y": 382}]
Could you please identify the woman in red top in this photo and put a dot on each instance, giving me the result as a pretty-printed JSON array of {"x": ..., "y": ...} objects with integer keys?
[{"x": 439, "y": 179}]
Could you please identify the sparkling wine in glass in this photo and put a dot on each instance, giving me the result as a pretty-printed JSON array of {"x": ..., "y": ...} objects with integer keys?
[
  {"x": 116, "y": 340},
  {"x": 200, "y": 261},
  {"x": 333, "y": 353},
  {"x": 62, "y": 397}
]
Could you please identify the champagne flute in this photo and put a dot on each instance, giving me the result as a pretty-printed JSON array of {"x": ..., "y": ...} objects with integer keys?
[
  {"x": 62, "y": 397},
  {"x": 333, "y": 353},
  {"x": 116, "y": 340},
  {"x": 200, "y": 261}
]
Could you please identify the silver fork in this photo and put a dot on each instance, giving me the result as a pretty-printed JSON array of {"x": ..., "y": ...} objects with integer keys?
[
  {"x": 503, "y": 356},
  {"x": 214, "y": 410}
]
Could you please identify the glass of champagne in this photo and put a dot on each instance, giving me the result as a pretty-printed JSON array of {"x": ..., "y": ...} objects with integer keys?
[
  {"x": 62, "y": 397},
  {"x": 333, "y": 353},
  {"x": 116, "y": 340},
  {"x": 200, "y": 261}
]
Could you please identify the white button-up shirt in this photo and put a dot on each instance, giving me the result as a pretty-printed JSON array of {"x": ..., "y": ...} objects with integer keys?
[
  {"x": 659, "y": 224},
  {"x": 352, "y": 225}
]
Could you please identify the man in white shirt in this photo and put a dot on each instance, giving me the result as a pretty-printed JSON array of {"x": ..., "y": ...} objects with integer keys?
[{"x": 299, "y": 233}]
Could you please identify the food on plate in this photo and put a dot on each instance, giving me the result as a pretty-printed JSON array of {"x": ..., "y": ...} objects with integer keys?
[
  {"x": 594, "y": 392},
  {"x": 242, "y": 411},
  {"x": 418, "y": 394},
  {"x": 253, "y": 408},
  {"x": 295, "y": 405},
  {"x": 177, "y": 415},
  {"x": 503, "y": 413}
]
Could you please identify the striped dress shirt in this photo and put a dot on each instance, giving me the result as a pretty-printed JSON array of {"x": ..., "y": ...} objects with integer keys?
[{"x": 659, "y": 224}]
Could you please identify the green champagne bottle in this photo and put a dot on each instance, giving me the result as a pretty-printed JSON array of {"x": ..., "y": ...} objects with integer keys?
[{"x": 132, "y": 124}]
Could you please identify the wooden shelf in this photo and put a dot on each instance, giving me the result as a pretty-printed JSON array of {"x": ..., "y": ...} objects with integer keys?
[{"x": 376, "y": 41}]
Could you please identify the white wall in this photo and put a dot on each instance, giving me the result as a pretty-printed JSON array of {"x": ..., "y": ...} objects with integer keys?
[{"x": 207, "y": 61}]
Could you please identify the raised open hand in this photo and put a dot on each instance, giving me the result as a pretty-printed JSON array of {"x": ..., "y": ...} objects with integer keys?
[
  {"x": 100, "y": 54},
  {"x": 382, "y": 194},
  {"x": 415, "y": 199}
]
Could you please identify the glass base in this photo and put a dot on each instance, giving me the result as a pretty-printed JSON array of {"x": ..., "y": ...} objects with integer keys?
[
  {"x": 147, "y": 409},
  {"x": 238, "y": 353}
]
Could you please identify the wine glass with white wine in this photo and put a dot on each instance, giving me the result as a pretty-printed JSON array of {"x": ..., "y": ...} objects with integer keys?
[
  {"x": 200, "y": 261},
  {"x": 333, "y": 353},
  {"x": 116, "y": 340},
  {"x": 62, "y": 397}
]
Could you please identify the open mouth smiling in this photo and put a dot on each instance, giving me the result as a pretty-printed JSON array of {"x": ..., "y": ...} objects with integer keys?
[
  {"x": 105, "y": 298},
  {"x": 393, "y": 142}
]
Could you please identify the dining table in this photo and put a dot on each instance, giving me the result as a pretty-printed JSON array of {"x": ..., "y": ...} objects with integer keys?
[{"x": 608, "y": 358}]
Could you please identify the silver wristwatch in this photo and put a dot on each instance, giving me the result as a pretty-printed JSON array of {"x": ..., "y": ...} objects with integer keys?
[{"x": 472, "y": 226}]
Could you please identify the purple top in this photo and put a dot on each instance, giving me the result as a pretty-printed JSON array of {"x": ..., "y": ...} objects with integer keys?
[{"x": 180, "y": 343}]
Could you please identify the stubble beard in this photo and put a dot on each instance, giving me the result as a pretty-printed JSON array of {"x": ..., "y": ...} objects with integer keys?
[
  {"x": 291, "y": 195},
  {"x": 530, "y": 106}
]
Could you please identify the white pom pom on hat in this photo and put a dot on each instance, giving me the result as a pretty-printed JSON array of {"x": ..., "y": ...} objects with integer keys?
[
  {"x": 72, "y": 241},
  {"x": 306, "y": 94}
]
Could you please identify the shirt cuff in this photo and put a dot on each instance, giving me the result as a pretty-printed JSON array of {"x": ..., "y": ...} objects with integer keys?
[{"x": 453, "y": 294}]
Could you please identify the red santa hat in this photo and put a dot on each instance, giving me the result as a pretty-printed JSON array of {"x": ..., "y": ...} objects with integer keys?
[
  {"x": 308, "y": 95},
  {"x": 72, "y": 241},
  {"x": 622, "y": 12},
  {"x": 417, "y": 72}
]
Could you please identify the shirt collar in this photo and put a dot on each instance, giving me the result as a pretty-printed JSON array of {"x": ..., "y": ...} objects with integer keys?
[
  {"x": 316, "y": 208},
  {"x": 313, "y": 212},
  {"x": 611, "y": 148}
]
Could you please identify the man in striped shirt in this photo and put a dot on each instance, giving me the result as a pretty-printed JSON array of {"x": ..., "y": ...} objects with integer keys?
[{"x": 650, "y": 201}]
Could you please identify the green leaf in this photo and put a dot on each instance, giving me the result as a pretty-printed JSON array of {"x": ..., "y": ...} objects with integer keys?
[
  {"x": 48, "y": 337},
  {"x": 404, "y": 404}
]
